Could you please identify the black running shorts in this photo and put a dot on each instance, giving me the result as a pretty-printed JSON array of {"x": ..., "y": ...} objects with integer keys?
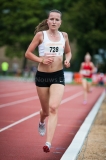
[{"x": 46, "y": 79}]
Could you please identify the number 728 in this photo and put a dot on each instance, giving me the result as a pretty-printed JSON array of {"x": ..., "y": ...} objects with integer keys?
[{"x": 54, "y": 49}]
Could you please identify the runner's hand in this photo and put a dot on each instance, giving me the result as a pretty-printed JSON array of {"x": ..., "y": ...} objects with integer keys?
[
  {"x": 67, "y": 63},
  {"x": 48, "y": 60}
]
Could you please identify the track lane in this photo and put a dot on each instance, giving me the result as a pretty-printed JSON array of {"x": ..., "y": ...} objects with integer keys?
[
  {"x": 11, "y": 112},
  {"x": 22, "y": 142},
  {"x": 63, "y": 101}
]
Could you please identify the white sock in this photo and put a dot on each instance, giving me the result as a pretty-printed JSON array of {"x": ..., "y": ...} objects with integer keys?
[
  {"x": 42, "y": 123},
  {"x": 48, "y": 144}
]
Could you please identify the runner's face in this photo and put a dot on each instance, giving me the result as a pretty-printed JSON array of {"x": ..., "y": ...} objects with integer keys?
[
  {"x": 54, "y": 20},
  {"x": 87, "y": 58}
]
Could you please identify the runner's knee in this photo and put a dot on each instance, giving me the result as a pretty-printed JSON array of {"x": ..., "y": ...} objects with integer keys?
[
  {"x": 46, "y": 114},
  {"x": 53, "y": 108}
]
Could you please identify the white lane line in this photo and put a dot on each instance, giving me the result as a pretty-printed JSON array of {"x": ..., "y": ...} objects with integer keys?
[
  {"x": 25, "y": 92},
  {"x": 17, "y": 93},
  {"x": 17, "y": 122},
  {"x": 71, "y": 97},
  {"x": 74, "y": 148},
  {"x": 36, "y": 113},
  {"x": 29, "y": 90},
  {"x": 24, "y": 100},
  {"x": 4, "y": 89},
  {"x": 19, "y": 101}
]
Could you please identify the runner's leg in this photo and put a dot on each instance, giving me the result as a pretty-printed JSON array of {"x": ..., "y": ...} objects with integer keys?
[
  {"x": 84, "y": 84},
  {"x": 89, "y": 84},
  {"x": 43, "y": 93},
  {"x": 56, "y": 93}
]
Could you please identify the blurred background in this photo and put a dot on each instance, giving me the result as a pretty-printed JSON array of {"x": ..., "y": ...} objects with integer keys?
[{"x": 84, "y": 21}]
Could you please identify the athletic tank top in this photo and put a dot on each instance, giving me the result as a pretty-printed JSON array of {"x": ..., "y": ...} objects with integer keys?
[
  {"x": 50, "y": 48},
  {"x": 86, "y": 68}
]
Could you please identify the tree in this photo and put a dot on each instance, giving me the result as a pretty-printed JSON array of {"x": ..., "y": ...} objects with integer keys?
[
  {"x": 84, "y": 21},
  {"x": 18, "y": 20},
  {"x": 17, "y": 23},
  {"x": 88, "y": 27}
]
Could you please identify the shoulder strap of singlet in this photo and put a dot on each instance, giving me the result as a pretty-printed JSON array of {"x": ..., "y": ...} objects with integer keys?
[
  {"x": 45, "y": 36},
  {"x": 62, "y": 36},
  {"x": 47, "y": 39}
]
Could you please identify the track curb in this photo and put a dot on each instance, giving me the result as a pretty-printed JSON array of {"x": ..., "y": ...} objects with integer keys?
[{"x": 74, "y": 148}]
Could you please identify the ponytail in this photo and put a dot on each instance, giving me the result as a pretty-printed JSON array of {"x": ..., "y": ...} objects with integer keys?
[{"x": 41, "y": 26}]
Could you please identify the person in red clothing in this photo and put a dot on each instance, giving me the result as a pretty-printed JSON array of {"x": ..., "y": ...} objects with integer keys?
[{"x": 87, "y": 69}]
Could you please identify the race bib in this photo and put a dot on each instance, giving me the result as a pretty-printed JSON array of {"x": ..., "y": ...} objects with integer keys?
[
  {"x": 85, "y": 72},
  {"x": 54, "y": 50}
]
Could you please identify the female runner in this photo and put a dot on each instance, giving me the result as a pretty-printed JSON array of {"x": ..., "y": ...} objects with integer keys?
[
  {"x": 86, "y": 70},
  {"x": 49, "y": 78}
]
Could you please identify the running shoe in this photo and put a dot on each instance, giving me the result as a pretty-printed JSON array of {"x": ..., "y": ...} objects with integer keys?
[
  {"x": 46, "y": 148},
  {"x": 42, "y": 129}
]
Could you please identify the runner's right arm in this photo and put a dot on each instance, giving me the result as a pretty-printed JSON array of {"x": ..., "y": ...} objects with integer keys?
[
  {"x": 38, "y": 38},
  {"x": 35, "y": 42}
]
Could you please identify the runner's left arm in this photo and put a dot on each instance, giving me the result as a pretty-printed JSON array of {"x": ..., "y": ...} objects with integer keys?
[
  {"x": 93, "y": 68},
  {"x": 67, "y": 50}
]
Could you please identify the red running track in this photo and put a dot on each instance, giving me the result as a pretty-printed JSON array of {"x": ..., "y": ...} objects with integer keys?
[{"x": 22, "y": 141}]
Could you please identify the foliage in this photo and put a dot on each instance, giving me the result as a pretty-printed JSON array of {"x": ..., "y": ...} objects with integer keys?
[
  {"x": 88, "y": 27},
  {"x": 18, "y": 19},
  {"x": 84, "y": 21}
]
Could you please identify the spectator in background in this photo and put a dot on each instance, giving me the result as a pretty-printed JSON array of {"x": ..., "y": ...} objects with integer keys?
[
  {"x": 4, "y": 67},
  {"x": 101, "y": 79},
  {"x": 26, "y": 71},
  {"x": 96, "y": 69},
  {"x": 33, "y": 70},
  {"x": 15, "y": 68}
]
